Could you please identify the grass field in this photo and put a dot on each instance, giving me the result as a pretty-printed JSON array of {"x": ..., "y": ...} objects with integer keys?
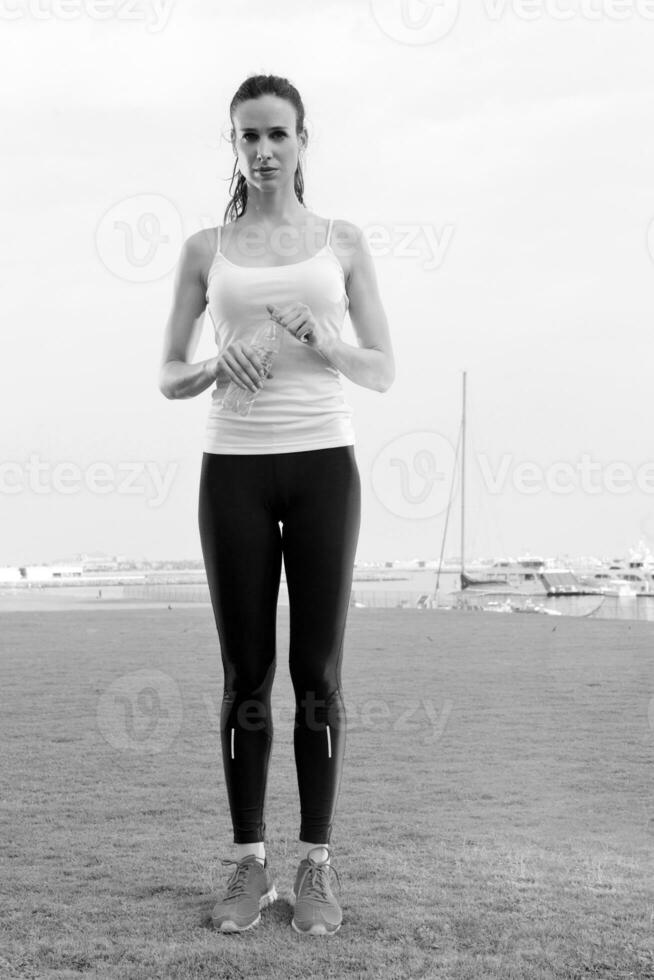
[{"x": 495, "y": 817}]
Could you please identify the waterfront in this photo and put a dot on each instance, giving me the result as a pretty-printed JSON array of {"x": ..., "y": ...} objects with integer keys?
[{"x": 392, "y": 588}]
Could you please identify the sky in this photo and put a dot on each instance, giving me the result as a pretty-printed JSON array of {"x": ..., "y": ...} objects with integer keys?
[{"x": 499, "y": 158}]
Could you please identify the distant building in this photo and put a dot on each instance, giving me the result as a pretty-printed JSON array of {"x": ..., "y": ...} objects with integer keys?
[{"x": 49, "y": 573}]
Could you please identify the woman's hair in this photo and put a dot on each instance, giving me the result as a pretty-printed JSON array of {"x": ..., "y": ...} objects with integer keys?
[{"x": 252, "y": 88}]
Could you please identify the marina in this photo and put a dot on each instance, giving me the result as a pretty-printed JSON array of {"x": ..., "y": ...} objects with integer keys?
[{"x": 388, "y": 585}]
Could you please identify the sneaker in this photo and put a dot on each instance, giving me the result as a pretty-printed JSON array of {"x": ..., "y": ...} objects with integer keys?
[
  {"x": 249, "y": 889},
  {"x": 316, "y": 910}
]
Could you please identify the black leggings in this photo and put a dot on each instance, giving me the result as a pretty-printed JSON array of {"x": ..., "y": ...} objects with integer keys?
[{"x": 316, "y": 494}]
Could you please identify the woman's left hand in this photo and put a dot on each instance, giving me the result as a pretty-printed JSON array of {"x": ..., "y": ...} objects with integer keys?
[{"x": 298, "y": 319}]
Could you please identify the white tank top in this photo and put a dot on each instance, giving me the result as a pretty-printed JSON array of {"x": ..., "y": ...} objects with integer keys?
[{"x": 303, "y": 406}]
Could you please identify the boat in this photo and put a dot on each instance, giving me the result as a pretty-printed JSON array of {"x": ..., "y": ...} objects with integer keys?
[
  {"x": 631, "y": 576},
  {"x": 531, "y": 607},
  {"x": 512, "y": 579},
  {"x": 529, "y": 575}
]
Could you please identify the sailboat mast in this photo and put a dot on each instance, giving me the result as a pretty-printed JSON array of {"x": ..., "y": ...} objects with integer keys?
[{"x": 463, "y": 478}]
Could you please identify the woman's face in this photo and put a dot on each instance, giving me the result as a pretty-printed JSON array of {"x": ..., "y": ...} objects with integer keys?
[{"x": 264, "y": 136}]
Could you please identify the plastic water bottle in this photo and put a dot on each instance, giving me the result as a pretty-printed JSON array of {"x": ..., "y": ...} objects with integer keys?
[{"x": 266, "y": 343}]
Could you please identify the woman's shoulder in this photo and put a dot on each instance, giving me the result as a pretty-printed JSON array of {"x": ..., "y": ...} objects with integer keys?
[
  {"x": 199, "y": 250},
  {"x": 345, "y": 232},
  {"x": 202, "y": 242},
  {"x": 340, "y": 227},
  {"x": 346, "y": 244}
]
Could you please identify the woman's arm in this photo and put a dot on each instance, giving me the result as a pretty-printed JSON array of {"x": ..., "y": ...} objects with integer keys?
[
  {"x": 178, "y": 378},
  {"x": 371, "y": 364}
]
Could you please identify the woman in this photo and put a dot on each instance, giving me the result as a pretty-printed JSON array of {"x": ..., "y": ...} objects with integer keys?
[{"x": 290, "y": 461}]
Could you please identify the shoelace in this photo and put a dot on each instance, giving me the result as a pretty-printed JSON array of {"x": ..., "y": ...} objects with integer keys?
[
  {"x": 237, "y": 884},
  {"x": 318, "y": 880}
]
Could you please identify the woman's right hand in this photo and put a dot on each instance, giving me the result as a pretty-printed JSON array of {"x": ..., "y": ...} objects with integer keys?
[{"x": 240, "y": 363}]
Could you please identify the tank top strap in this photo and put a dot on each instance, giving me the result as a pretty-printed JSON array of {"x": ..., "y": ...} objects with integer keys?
[
  {"x": 329, "y": 231},
  {"x": 217, "y": 253}
]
